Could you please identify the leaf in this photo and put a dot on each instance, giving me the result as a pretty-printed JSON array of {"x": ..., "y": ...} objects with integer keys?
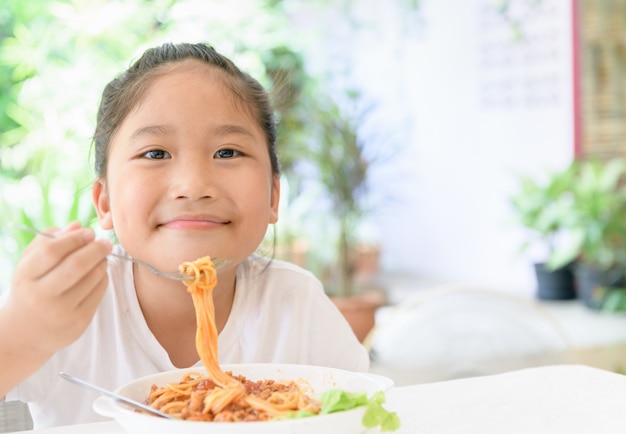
[
  {"x": 375, "y": 414},
  {"x": 568, "y": 251},
  {"x": 339, "y": 400},
  {"x": 615, "y": 301}
]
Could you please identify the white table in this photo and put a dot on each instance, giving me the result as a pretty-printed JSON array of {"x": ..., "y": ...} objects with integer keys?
[{"x": 553, "y": 399}]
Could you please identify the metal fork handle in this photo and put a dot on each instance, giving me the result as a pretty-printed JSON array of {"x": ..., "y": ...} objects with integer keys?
[
  {"x": 218, "y": 263},
  {"x": 126, "y": 257},
  {"x": 130, "y": 402},
  {"x": 150, "y": 267},
  {"x": 176, "y": 275}
]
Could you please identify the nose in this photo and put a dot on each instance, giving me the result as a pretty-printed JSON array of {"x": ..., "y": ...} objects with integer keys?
[{"x": 193, "y": 179}]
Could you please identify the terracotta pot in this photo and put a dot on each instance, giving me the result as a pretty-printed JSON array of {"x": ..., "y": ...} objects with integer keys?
[
  {"x": 367, "y": 262},
  {"x": 296, "y": 252},
  {"x": 360, "y": 311}
]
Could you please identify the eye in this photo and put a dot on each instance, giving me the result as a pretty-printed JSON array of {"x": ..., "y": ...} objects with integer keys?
[
  {"x": 227, "y": 153},
  {"x": 156, "y": 154}
]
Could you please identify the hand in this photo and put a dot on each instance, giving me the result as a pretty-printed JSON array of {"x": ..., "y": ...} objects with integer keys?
[{"x": 57, "y": 287}]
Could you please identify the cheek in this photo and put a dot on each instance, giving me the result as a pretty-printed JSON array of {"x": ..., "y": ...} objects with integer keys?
[
  {"x": 259, "y": 188},
  {"x": 262, "y": 212},
  {"x": 130, "y": 198}
]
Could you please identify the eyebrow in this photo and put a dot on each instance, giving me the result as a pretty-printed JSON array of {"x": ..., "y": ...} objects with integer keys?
[
  {"x": 164, "y": 130},
  {"x": 225, "y": 130},
  {"x": 152, "y": 130}
]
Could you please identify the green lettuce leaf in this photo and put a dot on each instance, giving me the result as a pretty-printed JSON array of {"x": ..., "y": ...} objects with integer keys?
[{"x": 375, "y": 414}]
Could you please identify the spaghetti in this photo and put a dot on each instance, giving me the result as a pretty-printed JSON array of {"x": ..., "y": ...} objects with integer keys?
[{"x": 222, "y": 396}]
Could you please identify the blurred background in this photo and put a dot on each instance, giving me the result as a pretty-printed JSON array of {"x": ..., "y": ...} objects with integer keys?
[{"x": 428, "y": 147}]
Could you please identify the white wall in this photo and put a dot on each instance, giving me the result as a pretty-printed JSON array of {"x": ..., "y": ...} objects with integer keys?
[{"x": 469, "y": 109}]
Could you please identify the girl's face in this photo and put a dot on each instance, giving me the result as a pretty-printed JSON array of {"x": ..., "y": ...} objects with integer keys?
[{"x": 189, "y": 173}]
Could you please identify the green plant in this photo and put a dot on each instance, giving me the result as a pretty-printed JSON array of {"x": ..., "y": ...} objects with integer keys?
[
  {"x": 40, "y": 203},
  {"x": 544, "y": 208},
  {"x": 55, "y": 58},
  {"x": 579, "y": 213},
  {"x": 615, "y": 300},
  {"x": 323, "y": 162},
  {"x": 596, "y": 223},
  {"x": 343, "y": 169}
]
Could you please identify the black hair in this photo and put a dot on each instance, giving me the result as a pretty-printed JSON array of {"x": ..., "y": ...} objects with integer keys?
[{"x": 125, "y": 91}]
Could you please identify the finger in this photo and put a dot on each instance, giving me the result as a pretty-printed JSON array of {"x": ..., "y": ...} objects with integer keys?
[
  {"x": 92, "y": 300},
  {"x": 72, "y": 226},
  {"x": 47, "y": 253},
  {"x": 89, "y": 281},
  {"x": 61, "y": 320},
  {"x": 75, "y": 266},
  {"x": 54, "y": 232},
  {"x": 39, "y": 238},
  {"x": 82, "y": 299},
  {"x": 48, "y": 234}
]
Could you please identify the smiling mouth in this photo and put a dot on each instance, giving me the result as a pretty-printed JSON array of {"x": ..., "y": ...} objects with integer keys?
[{"x": 193, "y": 224}]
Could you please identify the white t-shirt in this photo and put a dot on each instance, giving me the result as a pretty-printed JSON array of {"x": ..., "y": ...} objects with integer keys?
[{"x": 280, "y": 314}]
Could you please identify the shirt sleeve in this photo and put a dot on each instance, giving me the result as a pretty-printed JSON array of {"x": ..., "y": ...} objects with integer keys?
[{"x": 332, "y": 341}]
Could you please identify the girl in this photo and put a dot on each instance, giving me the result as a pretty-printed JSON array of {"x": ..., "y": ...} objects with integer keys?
[{"x": 186, "y": 167}]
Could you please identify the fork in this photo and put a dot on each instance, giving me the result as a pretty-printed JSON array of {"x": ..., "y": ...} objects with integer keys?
[
  {"x": 115, "y": 396},
  {"x": 174, "y": 275}
]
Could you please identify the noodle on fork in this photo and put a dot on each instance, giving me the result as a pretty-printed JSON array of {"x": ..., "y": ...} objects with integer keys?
[{"x": 221, "y": 396}]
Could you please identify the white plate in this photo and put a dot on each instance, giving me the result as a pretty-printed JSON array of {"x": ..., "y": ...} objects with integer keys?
[{"x": 319, "y": 378}]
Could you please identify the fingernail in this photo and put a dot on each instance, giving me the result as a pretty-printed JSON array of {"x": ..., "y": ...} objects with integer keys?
[
  {"x": 106, "y": 243},
  {"x": 69, "y": 227},
  {"x": 88, "y": 234}
]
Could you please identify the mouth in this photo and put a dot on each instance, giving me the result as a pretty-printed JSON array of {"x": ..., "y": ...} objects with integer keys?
[{"x": 194, "y": 222}]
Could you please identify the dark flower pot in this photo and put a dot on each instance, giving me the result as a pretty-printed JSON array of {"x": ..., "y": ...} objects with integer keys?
[
  {"x": 555, "y": 284},
  {"x": 594, "y": 284}
]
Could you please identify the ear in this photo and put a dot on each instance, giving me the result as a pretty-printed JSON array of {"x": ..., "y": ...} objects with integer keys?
[
  {"x": 101, "y": 201},
  {"x": 274, "y": 199}
]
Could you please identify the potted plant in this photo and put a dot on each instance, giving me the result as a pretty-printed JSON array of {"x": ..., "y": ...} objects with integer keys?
[
  {"x": 596, "y": 229},
  {"x": 344, "y": 169},
  {"x": 323, "y": 160},
  {"x": 544, "y": 208}
]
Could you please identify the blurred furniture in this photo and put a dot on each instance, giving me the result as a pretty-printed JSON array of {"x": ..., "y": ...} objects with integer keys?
[
  {"x": 14, "y": 416},
  {"x": 601, "y": 43},
  {"x": 456, "y": 331},
  {"x": 598, "y": 338}
]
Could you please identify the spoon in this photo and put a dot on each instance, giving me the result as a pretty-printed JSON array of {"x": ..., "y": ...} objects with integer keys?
[{"x": 119, "y": 398}]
